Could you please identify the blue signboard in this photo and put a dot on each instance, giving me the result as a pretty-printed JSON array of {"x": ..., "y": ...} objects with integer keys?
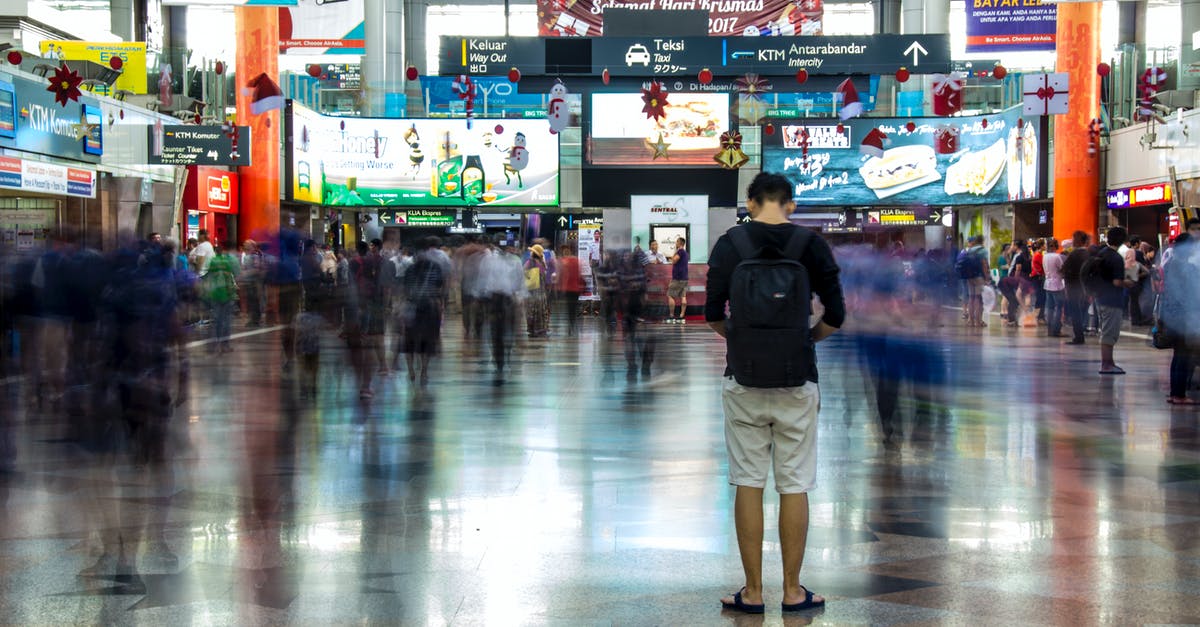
[
  {"x": 494, "y": 96},
  {"x": 45, "y": 127},
  {"x": 8, "y": 111},
  {"x": 1006, "y": 25},
  {"x": 941, "y": 161}
]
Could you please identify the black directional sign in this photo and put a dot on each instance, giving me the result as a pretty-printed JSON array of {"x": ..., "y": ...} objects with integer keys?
[
  {"x": 492, "y": 55},
  {"x": 656, "y": 56},
  {"x": 201, "y": 145}
]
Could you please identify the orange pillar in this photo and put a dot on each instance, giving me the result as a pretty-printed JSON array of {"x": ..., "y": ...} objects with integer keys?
[
  {"x": 1077, "y": 173},
  {"x": 257, "y": 53}
]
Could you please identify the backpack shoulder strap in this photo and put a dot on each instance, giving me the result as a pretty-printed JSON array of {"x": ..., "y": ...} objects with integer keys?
[
  {"x": 740, "y": 238},
  {"x": 797, "y": 244}
]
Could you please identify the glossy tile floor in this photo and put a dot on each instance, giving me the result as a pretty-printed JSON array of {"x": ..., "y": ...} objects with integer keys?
[{"x": 1024, "y": 490}]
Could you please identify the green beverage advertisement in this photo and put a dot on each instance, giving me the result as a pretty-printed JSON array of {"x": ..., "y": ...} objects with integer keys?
[{"x": 347, "y": 162}]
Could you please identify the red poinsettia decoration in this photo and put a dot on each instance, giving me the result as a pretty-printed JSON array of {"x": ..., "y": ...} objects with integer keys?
[
  {"x": 656, "y": 101},
  {"x": 752, "y": 85},
  {"x": 65, "y": 85}
]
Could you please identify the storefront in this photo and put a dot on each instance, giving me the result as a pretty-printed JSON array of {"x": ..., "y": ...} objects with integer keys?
[
  {"x": 210, "y": 203},
  {"x": 1144, "y": 210},
  {"x": 48, "y": 177}
]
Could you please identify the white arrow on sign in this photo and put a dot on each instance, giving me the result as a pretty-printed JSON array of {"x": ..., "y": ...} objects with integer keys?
[
  {"x": 562, "y": 220},
  {"x": 916, "y": 49}
]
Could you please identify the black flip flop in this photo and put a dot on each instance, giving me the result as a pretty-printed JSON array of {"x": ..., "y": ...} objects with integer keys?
[
  {"x": 1113, "y": 371},
  {"x": 740, "y": 606},
  {"x": 807, "y": 604}
]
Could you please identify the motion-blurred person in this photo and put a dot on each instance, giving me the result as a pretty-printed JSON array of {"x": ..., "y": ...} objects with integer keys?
[
  {"x": 202, "y": 254},
  {"x": 425, "y": 292},
  {"x": 639, "y": 341},
  {"x": 1037, "y": 278},
  {"x": 763, "y": 271},
  {"x": 1109, "y": 282},
  {"x": 467, "y": 260},
  {"x": 537, "y": 305},
  {"x": 502, "y": 285},
  {"x": 254, "y": 272},
  {"x": 1180, "y": 317},
  {"x": 608, "y": 283},
  {"x": 1076, "y": 294},
  {"x": 972, "y": 268},
  {"x": 221, "y": 288},
  {"x": 1055, "y": 287},
  {"x": 285, "y": 278},
  {"x": 570, "y": 286}
]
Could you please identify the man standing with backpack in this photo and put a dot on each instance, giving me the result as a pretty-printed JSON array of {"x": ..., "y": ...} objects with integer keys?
[
  {"x": 972, "y": 267},
  {"x": 764, "y": 271},
  {"x": 1104, "y": 276}
]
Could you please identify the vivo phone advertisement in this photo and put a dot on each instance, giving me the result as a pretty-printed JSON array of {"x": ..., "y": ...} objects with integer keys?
[
  {"x": 350, "y": 162},
  {"x": 690, "y": 133},
  {"x": 989, "y": 159}
]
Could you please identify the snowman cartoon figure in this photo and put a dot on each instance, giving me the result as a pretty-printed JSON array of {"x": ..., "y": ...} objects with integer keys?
[
  {"x": 518, "y": 159},
  {"x": 558, "y": 113}
]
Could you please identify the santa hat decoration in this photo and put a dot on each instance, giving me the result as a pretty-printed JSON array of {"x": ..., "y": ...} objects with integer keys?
[
  {"x": 873, "y": 143},
  {"x": 264, "y": 93},
  {"x": 851, "y": 107}
]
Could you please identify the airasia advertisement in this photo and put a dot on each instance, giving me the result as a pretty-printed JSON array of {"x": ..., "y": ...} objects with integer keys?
[
  {"x": 585, "y": 18},
  {"x": 966, "y": 160}
]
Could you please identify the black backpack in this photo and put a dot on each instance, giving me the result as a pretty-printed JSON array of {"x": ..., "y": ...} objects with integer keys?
[
  {"x": 424, "y": 281},
  {"x": 769, "y": 342},
  {"x": 1092, "y": 273},
  {"x": 968, "y": 265}
]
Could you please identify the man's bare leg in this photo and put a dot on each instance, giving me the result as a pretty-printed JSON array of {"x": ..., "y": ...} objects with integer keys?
[
  {"x": 748, "y": 518},
  {"x": 793, "y": 535}
]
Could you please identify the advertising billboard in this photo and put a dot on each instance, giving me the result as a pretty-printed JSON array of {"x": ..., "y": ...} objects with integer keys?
[
  {"x": 421, "y": 162},
  {"x": 45, "y": 127},
  {"x": 942, "y": 161},
  {"x": 585, "y": 18},
  {"x": 323, "y": 27},
  {"x": 691, "y": 130},
  {"x": 998, "y": 26},
  {"x": 132, "y": 55}
]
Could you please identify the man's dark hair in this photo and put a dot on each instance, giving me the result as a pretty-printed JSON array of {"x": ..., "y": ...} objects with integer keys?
[
  {"x": 1080, "y": 238},
  {"x": 767, "y": 187},
  {"x": 202, "y": 233},
  {"x": 1023, "y": 245},
  {"x": 1134, "y": 240},
  {"x": 377, "y": 243},
  {"x": 1184, "y": 237},
  {"x": 362, "y": 248},
  {"x": 682, "y": 241},
  {"x": 431, "y": 242},
  {"x": 1116, "y": 236}
]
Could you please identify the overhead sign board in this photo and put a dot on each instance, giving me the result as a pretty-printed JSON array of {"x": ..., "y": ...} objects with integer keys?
[
  {"x": 201, "y": 145},
  {"x": 132, "y": 55},
  {"x": 725, "y": 56},
  {"x": 323, "y": 27},
  {"x": 1010, "y": 25},
  {"x": 943, "y": 161},
  {"x": 43, "y": 126},
  {"x": 495, "y": 55},
  {"x": 1157, "y": 194},
  {"x": 418, "y": 217},
  {"x": 585, "y": 18}
]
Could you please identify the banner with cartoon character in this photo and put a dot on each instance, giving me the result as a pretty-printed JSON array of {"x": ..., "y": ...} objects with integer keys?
[
  {"x": 339, "y": 161},
  {"x": 585, "y": 18}
]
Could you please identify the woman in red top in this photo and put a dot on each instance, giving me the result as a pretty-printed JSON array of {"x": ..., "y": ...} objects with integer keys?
[
  {"x": 570, "y": 285},
  {"x": 1038, "y": 277}
]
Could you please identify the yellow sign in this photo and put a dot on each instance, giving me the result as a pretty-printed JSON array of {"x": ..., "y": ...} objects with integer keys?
[{"x": 132, "y": 55}]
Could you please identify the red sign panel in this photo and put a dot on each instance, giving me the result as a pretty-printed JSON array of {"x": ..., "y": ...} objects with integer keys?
[
  {"x": 211, "y": 189},
  {"x": 585, "y": 18}
]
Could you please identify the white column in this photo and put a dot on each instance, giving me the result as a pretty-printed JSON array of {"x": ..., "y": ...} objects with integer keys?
[
  {"x": 1188, "y": 54},
  {"x": 383, "y": 65}
]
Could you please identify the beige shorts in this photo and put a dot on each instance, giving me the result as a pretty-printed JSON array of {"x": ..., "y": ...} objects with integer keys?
[
  {"x": 1110, "y": 324},
  {"x": 767, "y": 427},
  {"x": 677, "y": 289}
]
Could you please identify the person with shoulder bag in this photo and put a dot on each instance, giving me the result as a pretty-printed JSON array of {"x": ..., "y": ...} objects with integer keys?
[{"x": 766, "y": 272}]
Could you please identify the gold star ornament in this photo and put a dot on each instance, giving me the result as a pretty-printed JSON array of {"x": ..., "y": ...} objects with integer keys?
[{"x": 659, "y": 147}]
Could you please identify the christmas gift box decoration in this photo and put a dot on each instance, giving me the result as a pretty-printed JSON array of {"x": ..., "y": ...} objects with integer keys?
[
  {"x": 1045, "y": 94},
  {"x": 948, "y": 93},
  {"x": 945, "y": 140}
]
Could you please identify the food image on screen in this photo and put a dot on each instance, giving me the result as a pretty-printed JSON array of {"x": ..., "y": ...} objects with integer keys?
[
  {"x": 1029, "y": 165},
  {"x": 900, "y": 169},
  {"x": 621, "y": 133},
  {"x": 976, "y": 172}
]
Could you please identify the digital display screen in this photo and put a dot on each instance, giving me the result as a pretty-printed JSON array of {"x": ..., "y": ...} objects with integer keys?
[{"x": 621, "y": 134}]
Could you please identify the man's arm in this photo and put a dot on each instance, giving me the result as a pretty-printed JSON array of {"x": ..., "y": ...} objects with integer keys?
[
  {"x": 826, "y": 284},
  {"x": 716, "y": 290}
]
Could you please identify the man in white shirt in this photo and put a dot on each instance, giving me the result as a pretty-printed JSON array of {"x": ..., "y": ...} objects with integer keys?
[
  {"x": 1056, "y": 286},
  {"x": 655, "y": 255},
  {"x": 202, "y": 254}
]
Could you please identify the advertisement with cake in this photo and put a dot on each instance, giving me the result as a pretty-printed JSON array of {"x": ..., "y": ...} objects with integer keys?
[{"x": 973, "y": 160}]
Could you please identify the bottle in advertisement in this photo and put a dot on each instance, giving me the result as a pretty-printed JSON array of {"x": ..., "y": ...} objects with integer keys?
[{"x": 472, "y": 180}]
